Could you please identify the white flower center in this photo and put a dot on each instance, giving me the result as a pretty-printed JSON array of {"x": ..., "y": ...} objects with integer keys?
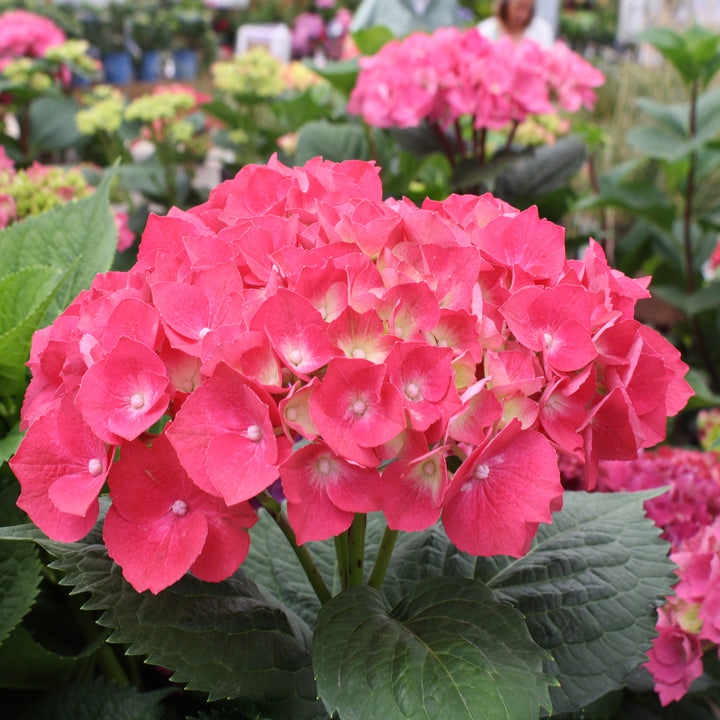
[
  {"x": 548, "y": 338},
  {"x": 323, "y": 466},
  {"x": 179, "y": 507},
  {"x": 137, "y": 401},
  {"x": 291, "y": 414},
  {"x": 358, "y": 352},
  {"x": 295, "y": 357},
  {"x": 203, "y": 332},
  {"x": 95, "y": 467},
  {"x": 429, "y": 467},
  {"x": 412, "y": 391},
  {"x": 481, "y": 471},
  {"x": 359, "y": 407},
  {"x": 254, "y": 433}
]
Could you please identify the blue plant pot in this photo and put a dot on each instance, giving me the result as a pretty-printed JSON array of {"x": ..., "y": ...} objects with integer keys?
[
  {"x": 149, "y": 66},
  {"x": 118, "y": 67},
  {"x": 186, "y": 64}
]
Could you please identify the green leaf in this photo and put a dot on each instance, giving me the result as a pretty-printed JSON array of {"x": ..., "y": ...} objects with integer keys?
[
  {"x": 98, "y": 700},
  {"x": 673, "y": 118},
  {"x": 78, "y": 239},
  {"x": 547, "y": 168},
  {"x": 10, "y": 443},
  {"x": 370, "y": 40},
  {"x": 641, "y": 197},
  {"x": 342, "y": 75},
  {"x": 448, "y": 650},
  {"x": 707, "y": 298},
  {"x": 20, "y": 574},
  {"x": 25, "y": 663},
  {"x": 588, "y": 587},
  {"x": 708, "y": 115},
  {"x": 25, "y": 296},
  {"x": 332, "y": 141},
  {"x": 20, "y": 568},
  {"x": 673, "y": 47},
  {"x": 52, "y": 125},
  {"x": 658, "y": 143},
  {"x": 228, "y": 639},
  {"x": 703, "y": 393}
]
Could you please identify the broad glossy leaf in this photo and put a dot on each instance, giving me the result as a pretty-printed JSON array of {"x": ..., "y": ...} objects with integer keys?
[
  {"x": 20, "y": 569},
  {"x": 99, "y": 700},
  {"x": 370, "y": 40},
  {"x": 79, "y": 239},
  {"x": 673, "y": 117},
  {"x": 342, "y": 75},
  {"x": 25, "y": 663},
  {"x": 25, "y": 296},
  {"x": 658, "y": 143},
  {"x": 52, "y": 125},
  {"x": 707, "y": 298},
  {"x": 448, "y": 650},
  {"x": 334, "y": 141},
  {"x": 228, "y": 639},
  {"x": 588, "y": 587}
]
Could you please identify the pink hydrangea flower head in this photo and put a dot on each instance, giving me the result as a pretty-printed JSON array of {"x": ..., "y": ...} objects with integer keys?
[{"x": 298, "y": 327}]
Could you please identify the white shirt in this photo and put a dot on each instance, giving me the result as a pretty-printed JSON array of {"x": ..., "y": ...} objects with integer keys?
[{"x": 538, "y": 30}]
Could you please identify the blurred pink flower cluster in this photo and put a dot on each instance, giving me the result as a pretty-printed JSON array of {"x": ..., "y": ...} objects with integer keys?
[
  {"x": 325, "y": 31},
  {"x": 425, "y": 362},
  {"x": 25, "y": 34},
  {"x": 454, "y": 73},
  {"x": 689, "y": 516}
]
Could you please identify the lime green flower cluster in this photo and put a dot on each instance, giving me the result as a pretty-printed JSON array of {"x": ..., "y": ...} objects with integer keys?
[
  {"x": 160, "y": 107},
  {"x": 298, "y": 76},
  {"x": 103, "y": 112},
  {"x": 255, "y": 73},
  {"x": 73, "y": 53},
  {"x": 42, "y": 187},
  {"x": 541, "y": 129},
  {"x": 27, "y": 73},
  {"x": 164, "y": 113}
]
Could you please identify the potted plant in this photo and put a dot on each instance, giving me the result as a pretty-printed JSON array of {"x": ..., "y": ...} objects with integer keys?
[
  {"x": 108, "y": 29},
  {"x": 193, "y": 40},
  {"x": 151, "y": 36}
]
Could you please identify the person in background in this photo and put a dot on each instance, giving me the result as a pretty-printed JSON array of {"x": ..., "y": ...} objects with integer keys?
[
  {"x": 403, "y": 17},
  {"x": 517, "y": 19}
]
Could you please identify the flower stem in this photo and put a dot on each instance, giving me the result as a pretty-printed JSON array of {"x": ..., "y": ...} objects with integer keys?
[
  {"x": 306, "y": 561},
  {"x": 688, "y": 214},
  {"x": 341, "y": 552},
  {"x": 383, "y": 558},
  {"x": 356, "y": 550}
]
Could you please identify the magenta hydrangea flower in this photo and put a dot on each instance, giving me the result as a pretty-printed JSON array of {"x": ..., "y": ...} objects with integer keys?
[
  {"x": 453, "y": 73},
  {"x": 298, "y": 326}
]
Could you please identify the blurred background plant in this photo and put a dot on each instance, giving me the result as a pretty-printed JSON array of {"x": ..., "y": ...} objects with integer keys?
[{"x": 665, "y": 194}]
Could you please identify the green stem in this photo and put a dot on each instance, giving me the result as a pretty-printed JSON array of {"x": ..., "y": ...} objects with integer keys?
[
  {"x": 688, "y": 244},
  {"x": 356, "y": 550},
  {"x": 306, "y": 561},
  {"x": 383, "y": 558},
  {"x": 341, "y": 552}
]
